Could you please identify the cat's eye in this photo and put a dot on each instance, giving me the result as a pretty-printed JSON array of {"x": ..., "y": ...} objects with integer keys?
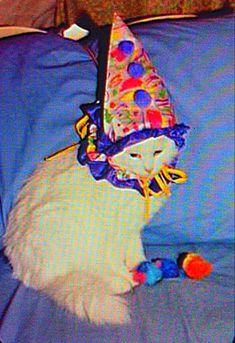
[
  {"x": 157, "y": 152},
  {"x": 135, "y": 155}
]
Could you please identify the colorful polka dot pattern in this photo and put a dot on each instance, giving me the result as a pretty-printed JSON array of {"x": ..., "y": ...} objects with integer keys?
[{"x": 135, "y": 96}]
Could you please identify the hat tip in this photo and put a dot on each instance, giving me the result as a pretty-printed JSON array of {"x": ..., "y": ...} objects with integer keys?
[{"x": 116, "y": 17}]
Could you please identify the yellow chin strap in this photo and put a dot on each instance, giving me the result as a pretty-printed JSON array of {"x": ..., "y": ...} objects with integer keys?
[{"x": 163, "y": 178}]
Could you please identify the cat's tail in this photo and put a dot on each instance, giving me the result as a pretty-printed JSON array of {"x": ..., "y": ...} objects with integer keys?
[{"x": 90, "y": 298}]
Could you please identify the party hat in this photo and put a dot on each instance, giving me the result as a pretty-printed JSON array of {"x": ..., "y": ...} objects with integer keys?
[{"x": 135, "y": 95}]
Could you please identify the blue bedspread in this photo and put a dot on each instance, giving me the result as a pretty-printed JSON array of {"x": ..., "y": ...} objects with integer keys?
[{"x": 43, "y": 81}]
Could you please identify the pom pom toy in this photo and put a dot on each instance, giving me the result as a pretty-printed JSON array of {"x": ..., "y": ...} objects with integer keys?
[
  {"x": 168, "y": 267},
  {"x": 188, "y": 264},
  {"x": 194, "y": 266},
  {"x": 147, "y": 273}
]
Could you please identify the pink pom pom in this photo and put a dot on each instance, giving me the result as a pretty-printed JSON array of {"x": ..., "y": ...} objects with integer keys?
[{"x": 139, "y": 277}]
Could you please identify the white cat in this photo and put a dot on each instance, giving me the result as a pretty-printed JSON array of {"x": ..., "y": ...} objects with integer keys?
[{"x": 77, "y": 239}]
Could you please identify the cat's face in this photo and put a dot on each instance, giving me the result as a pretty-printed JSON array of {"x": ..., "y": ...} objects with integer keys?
[{"x": 145, "y": 159}]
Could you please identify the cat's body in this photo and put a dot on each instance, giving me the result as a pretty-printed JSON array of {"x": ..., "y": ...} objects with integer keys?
[{"x": 77, "y": 239}]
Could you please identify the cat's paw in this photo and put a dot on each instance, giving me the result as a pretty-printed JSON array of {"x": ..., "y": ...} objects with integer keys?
[
  {"x": 135, "y": 253},
  {"x": 120, "y": 279},
  {"x": 134, "y": 262},
  {"x": 90, "y": 297},
  {"x": 121, "y": 284}
]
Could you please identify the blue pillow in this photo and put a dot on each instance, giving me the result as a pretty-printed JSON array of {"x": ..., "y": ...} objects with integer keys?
[
  {"x": 195, "y": 58},
  {"x": 43, "y": 81},
  {"x": 48, "y": 78}
]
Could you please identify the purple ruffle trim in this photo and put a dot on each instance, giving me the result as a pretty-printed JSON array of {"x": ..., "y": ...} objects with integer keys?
[{"x": 102, "y": 170}]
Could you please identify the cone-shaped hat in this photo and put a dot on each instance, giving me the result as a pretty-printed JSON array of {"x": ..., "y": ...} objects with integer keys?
[{"x": 135, "y": 95}]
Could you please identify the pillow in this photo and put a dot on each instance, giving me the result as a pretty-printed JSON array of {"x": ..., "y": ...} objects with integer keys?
[
  {"x": 195, "y": 58},
  {"x": 43, "y": 81}
]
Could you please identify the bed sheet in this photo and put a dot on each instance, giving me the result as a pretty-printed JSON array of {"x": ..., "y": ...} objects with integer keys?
[{"x": 173, "y": 311}]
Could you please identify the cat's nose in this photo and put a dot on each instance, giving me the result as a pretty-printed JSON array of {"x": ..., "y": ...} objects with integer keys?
[{"x": 149, "y": 170}]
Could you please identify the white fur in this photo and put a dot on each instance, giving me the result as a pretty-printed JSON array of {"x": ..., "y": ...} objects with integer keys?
[
  {"x": 77, "y": 239},
  {"x": 150, "y": 156}
]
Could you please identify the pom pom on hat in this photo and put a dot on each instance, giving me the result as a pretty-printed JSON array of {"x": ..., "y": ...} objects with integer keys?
[{"x": 135, "y": 95}]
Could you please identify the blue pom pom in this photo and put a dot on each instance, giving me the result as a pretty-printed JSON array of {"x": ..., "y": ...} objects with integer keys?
[
  {"x": 169, "y": 268},
  {"x": 126, "y": 46},
  {"x": 143, "y": 267},
  {"x": 135, "y": 69},
  {"x": 153, "y": 274},
  {"x": 142, "y": 98}
]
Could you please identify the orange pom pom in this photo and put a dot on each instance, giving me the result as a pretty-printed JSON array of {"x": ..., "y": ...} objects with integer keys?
[{"x": 196, "y": 267}]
